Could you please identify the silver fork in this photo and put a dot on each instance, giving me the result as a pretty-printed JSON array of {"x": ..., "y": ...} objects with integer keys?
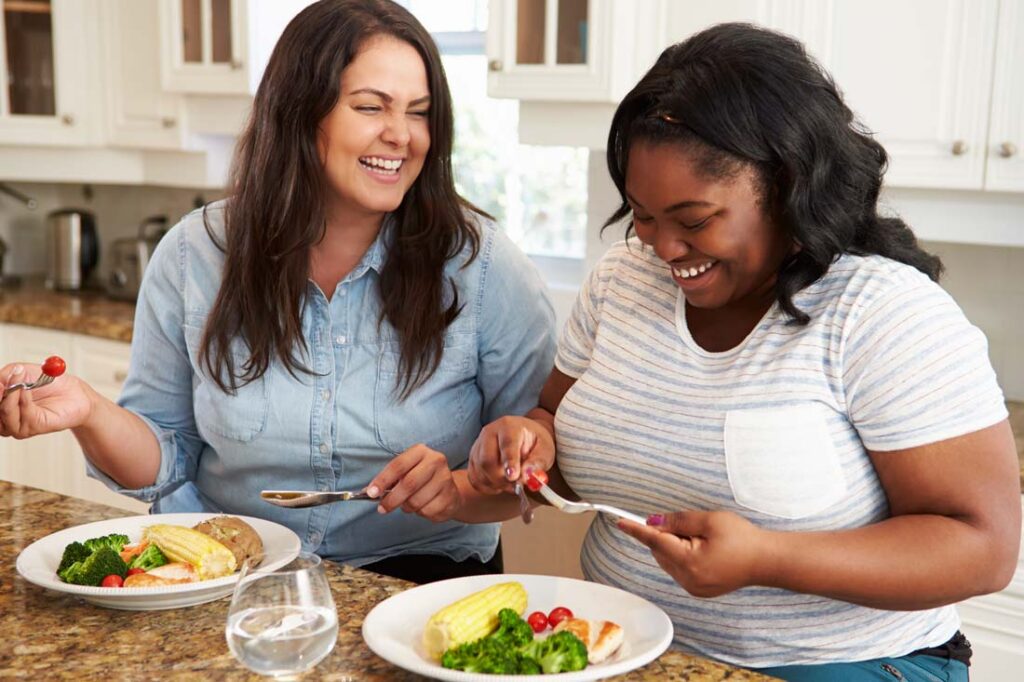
[
  {"x": 43, "y": 380},
  {"x": 570, "y": 507}
]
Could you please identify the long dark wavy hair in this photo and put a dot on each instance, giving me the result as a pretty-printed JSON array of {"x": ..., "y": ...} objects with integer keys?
[
  {"x": 275, "y": 211},
  {"x": 737, "y": 95}
]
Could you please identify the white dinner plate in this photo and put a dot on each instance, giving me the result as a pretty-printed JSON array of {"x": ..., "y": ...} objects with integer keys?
[
  {"x": 394, "y": 628},
  {"x": 38, "y": 562}
]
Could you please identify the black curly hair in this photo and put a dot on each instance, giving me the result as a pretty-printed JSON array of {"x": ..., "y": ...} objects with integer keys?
[{"x": 737, "y": 95}]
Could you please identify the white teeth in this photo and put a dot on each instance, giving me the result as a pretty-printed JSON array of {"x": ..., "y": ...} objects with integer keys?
[
  {"x": 686, "y": 273},
  {"x": 380, "y": 164}
]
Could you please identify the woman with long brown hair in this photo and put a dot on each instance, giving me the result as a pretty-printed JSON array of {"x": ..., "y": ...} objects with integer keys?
[{"x": 344, "y": 316}]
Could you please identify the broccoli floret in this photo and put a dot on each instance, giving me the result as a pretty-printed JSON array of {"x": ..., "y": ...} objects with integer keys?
[
  {"x": 489, "y": 656},
  {"x": 561, "y": 652},
  {"x": 115, "y": 541},
  {"x": 73, "y": 553},
  {"x": 151, "y": 557},
  {"x": 94, "y": 568},
  {"x": 512, "y": 630}
]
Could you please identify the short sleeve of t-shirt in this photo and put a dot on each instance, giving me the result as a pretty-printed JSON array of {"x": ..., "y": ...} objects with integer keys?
[
  {"x": 915, "y": 370},
  {"x": 576, "y": 343}
]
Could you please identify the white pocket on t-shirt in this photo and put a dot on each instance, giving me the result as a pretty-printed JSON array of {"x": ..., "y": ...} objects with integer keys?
[{"x": 782, "y": 461}]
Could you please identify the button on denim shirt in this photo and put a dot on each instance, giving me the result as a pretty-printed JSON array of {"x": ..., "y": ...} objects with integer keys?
[{"x": 337, "y": 428}]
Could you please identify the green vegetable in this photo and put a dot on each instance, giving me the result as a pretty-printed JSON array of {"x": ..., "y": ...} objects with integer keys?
[
  {"x": 151, "y": 557},
  {"x": 114, "y": 541},
  {"x": 73, "y": 553},
  {"x": 511, "y": 650},
  {"x": 94, "y": 568},
  {"x": 559, "y": 653}
]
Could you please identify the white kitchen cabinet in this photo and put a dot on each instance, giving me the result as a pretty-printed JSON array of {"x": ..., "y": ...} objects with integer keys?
[
  {"x": 567, "y": 50},
  {"x": 49, "y": 92},
  {"x": 140, "y": 113},
  {"x": 1005, "y": 167},
  {"x": 220, "y": 47},
  {"x": 917, "y": 72},
  {"x": 54, "y": 461}
]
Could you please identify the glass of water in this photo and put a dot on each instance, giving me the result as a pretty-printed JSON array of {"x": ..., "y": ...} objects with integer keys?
[{"x": 282, "y": 623}]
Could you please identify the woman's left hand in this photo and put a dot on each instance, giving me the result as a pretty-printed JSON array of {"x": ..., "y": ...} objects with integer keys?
[
  {"x": 421, "y": 483},
  {"x": 708, "y": 553}
]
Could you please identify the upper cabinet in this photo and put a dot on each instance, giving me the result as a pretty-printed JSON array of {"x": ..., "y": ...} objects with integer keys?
[
  {"x": 220, "y": 46},
  {"x": 48, "y": 51},
  {"x": 1005, "y": 151},
  {"x": 919, "y": 73},
  {"x": 565, "y": 50}
]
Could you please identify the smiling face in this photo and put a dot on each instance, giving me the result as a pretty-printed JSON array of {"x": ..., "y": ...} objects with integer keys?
[
  {"x": 374, "y": 142},
  {"x": 722, "y": 249}
]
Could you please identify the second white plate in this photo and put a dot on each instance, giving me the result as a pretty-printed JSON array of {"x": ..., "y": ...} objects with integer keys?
[
  {"x": 38, "y": 562},
  {"x": 394, "y": 628}
]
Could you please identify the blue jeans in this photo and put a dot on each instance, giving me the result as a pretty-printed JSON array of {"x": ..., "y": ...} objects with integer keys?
[{"x": 906, "y": 668}]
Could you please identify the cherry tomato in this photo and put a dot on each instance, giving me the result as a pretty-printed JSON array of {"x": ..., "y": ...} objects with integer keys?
[
  {"x": 536, "y": 478},
  {"x": 136, "y": 571},
  {"x": 558, "y": 614},
  {"x": 538, "y": 621},
  {"x": 54, "y": 366},
  {"x": 112, "y": 580}
]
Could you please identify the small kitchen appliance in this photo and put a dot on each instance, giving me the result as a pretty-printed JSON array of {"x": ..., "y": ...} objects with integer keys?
[
  {"x": 130, "y": 256},
  {"x": 72, "y": 248}
]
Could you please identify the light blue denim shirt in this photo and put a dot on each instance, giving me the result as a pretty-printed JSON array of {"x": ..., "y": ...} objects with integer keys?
[{"x": 333, "y": 430}]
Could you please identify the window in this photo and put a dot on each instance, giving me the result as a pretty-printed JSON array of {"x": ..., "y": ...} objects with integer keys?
[{"x": 537, "y": 194}]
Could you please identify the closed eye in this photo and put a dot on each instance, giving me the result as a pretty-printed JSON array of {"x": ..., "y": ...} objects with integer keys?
[{"x": 697, "y": 226}]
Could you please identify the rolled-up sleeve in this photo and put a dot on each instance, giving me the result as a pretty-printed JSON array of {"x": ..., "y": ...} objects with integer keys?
[
  {"x": 517, "y": 331},
  {"x": 159, "y": 384}
]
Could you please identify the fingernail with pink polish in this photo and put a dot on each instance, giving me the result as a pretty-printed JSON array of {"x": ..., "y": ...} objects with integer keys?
[
  {"x": 373, "y": 491},
  {"x": 656, "y": 520},
  {"x": 509, "y": 473}
]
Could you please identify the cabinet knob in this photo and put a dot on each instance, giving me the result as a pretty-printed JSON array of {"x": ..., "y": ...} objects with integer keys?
[
  {"x": 120, "y": 375},
  {"x": 236, "y": 65},
  {"x": 959, "y": 148},
  {"x": 1007, "y": 149},
  {"x": 495, "y": 65},
  {"x": 168, "y": 122},
  {"x": 67, "y": 119}
]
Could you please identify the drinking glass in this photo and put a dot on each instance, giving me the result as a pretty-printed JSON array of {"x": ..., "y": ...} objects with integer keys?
[{"x": 282, "y": 623}]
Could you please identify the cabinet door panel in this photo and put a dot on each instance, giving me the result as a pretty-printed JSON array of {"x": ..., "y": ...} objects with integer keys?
[
  {"x": 916, "y": 72},
  {"x": 141, "y": 114},
  {"x": 52, "y": 461},
  {"x": 1006, "y": 133},
  {"x": 70, "y": 114}
]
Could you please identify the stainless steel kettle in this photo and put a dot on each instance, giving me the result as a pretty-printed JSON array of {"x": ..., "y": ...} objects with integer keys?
[{"x": 72, "y": 247}]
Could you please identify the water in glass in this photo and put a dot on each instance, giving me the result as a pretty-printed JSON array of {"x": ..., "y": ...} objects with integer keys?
[{"x": 284, "y": 622}]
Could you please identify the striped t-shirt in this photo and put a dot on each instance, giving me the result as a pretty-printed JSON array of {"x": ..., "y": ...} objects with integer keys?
[{"x": 775, "y": 429}]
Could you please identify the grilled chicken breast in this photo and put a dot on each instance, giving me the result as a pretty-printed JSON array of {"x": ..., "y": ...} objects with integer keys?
[{"x": 602, "y": 637}]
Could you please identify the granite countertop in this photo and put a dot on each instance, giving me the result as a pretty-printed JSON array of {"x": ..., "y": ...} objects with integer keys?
[
  {"x": 46, "y": 635},
  {"x": 86, "y": 312}
]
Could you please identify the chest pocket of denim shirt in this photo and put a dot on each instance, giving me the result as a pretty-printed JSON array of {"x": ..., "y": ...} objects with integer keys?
[
  {"x": 241, "y": 416},
  {"x": 435, "y": 412},
  {"x": 782, "y": 461}
]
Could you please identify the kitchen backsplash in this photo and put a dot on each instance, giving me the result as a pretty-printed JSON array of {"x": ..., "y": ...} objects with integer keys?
[{"x": 987, "y": 281}]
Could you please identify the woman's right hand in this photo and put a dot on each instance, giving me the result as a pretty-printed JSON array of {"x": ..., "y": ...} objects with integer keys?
[
  {"x": 63, "y": 404},
  {"x": 504, "y": 449}
]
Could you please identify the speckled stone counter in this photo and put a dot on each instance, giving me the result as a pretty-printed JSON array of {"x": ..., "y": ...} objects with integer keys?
[
  {"x": 46, "y": 635},
  {"x": 1017, "y": 424},
  {"x": 90, "y": 313}
]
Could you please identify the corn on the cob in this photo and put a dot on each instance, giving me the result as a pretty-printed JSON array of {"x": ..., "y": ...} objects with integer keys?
[
  {"x": 210, "y": 558},
  {"x": 472, "y": 617}
]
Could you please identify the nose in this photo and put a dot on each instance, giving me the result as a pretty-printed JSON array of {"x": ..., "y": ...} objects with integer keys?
[
  {"x": 396, "y": 131},
  {"x": 669, "y": 245}
]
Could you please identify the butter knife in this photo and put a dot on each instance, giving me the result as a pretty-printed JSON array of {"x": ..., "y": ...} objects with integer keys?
[{"x": 297, "y": 499}]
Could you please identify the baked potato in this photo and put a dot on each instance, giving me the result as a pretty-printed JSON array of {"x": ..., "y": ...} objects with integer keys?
[{"x": 237, "y": 535}]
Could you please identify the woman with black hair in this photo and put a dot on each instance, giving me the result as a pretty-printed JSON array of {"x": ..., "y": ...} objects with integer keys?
[
  {"x": 771, "y": 372},
  {"x": 343, "y": 320}
]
